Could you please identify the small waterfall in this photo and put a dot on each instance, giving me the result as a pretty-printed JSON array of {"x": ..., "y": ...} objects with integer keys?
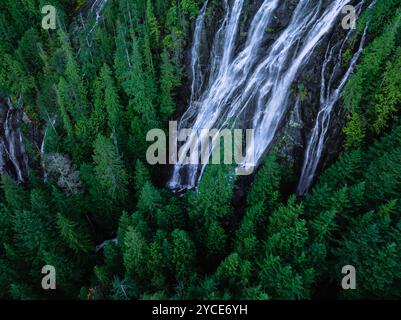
[
  {"x": 97, "y": 8},
  {"x": 52, "y": 122},
  {"x": 328, "y": 100},
  {"x": 252, "y": 84},
  {"x": 13, "y": 157},
  {"x": 196, "y": 69},
  {"x": 94, "y": 8}
]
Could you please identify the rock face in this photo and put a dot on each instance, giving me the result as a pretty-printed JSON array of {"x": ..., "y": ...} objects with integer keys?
[
  {"x": 292, "y": 138},
  {"x": 303, "y": 101},
  {"x": 13, "y": 156}
]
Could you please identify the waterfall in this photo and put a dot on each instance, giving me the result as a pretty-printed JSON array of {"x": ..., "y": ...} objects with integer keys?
[
  {"x": 97, "y": 7},
  {"x": 94, "y": 8},
  {"x": 196, "y": 70},
  {"x": 13, "y": 157},
  {"x": 328, "y": 100},
  {"x": 253, "y": 84},
  {"x": 52, "y": 122}
]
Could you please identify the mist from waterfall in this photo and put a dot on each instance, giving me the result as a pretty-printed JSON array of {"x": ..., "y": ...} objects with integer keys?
[{"x": 252, "y": 83}]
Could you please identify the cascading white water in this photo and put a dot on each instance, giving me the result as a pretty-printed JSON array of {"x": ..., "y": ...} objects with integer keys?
[
  {"x": 97, "y": 7},
  {"x": 328, "y": 100},
  {"x": 225, "y": 78},
  {"x": 252, "y": 82},
  {"x": 196, "y": 70},
  {"x": 52, "y": 122},
  {"x": 12, "y": 149}
]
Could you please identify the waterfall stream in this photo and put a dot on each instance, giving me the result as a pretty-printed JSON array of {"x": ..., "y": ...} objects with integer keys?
[
  {"x": 197, "y": 76},
  {"x": 94, "y": 8},
  {"x": 328, "y": 100},
  {"x": 13, "y": 157},
  {"x": 251, "y": 85}
]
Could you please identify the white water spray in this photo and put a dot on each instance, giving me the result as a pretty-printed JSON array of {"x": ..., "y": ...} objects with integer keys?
[
  {"x": 328, "y": 100},
  {"x": 253, "y": 84}
]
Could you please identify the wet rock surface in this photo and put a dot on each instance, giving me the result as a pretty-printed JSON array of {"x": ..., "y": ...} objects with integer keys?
[
  {"x": 292, "y": 137},
  {"x": 291, "y": 141}
]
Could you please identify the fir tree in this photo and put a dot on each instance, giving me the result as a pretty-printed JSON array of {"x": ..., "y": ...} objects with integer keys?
[{"x": 109, "y": 169}]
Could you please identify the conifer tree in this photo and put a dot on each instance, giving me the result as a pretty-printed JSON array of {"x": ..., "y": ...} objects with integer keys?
[
  {"x": 135, "y": 254},
  {"x": 167, "y": 83},
  {"x": 112, "y": 103},
  {"x": 183, "y": 254},
  {"x": 73, "y": 235},
  {"x": 109, "y": 169}
]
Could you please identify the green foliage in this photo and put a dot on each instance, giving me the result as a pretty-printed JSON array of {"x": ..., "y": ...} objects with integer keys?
[
  {"x": 372, "y": 96},
  {"x": 141, "y": 175},
  {"x": 167, "y": 84},
  {"x": 281, "y": 281},
  {"x": 233, "y": 273},
  {"x": 265, "y": 189},
  {"x": 182, "y": 255},
  {"x": 388, "y": 100},
  {"x": 135, "y": 254},
  {"x": 109, "y": 169},
  {"x": 373, "y": 246},
  {"x": 209, "y": 203},
  {"x": 101, "y": 219},
  {"x": 75, "y": 238}
]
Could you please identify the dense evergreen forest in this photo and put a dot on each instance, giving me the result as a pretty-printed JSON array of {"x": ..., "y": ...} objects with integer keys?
[{"x": 92, "y": 207}]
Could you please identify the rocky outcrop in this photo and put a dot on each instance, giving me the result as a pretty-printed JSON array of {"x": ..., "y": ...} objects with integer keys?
[{"x": 291, "y": 140}]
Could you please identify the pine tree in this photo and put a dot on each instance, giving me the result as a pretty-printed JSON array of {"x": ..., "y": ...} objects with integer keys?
[
  {"x": 265, "y": 188},
  {"x": 382, "y": 177},
  {"x": 74, "y": 91},
  {"x": 285, "y": 273},
  {"x": 122, "y": 61},
  {"x": 159, "y": 261},
  {"x": 215, "y": 191},
  {"x": 109, "y": 169},
  {"x": 112, "y": 102},
  {"x": 141, "y": 175},
  {"x": 287, "y": 233},
  {"x": 149, "y": 199},
  {"x": 135, "y": 255},
  {"x": 152, "y": 24},
  {"x": 183, "y": 254},
  {"x": 124, "y": 289},
  {"x": 215, "y": 240},
  {"x": 281, "y": 281},
  {"x": 167, "y": 84},
  {"x": 73, "y": 235},
  {"x": 388, "y": 100},
  {"x": 234, "y": 273},
  {"x": 63, "y": 101},
  {"x": 14, "y": 194},
  {"x": 172, "y": 215},
  {"x": 372, "y": 246}
]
